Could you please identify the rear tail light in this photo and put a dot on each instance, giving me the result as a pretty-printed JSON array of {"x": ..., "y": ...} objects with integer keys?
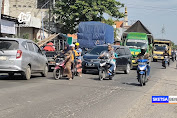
[{"x": 19, "y": 54}]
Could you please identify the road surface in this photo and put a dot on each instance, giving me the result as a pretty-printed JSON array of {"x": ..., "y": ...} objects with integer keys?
[{"x": 87, "y": 97}]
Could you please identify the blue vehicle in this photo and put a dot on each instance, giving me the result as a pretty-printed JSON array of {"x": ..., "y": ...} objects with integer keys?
[{"x": 142, "y": 71}]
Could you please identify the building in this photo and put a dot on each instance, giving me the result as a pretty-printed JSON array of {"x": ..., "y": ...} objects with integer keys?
[
  {"x": 121, "y": 26},
  {"x": 37, "y": 10}
]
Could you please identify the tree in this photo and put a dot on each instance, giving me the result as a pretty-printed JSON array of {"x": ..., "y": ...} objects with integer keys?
[{"x": 71, "y": 12}]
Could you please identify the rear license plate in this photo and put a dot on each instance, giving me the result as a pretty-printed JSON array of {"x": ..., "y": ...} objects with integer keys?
[
  {"x": 3, "y": 58},
  {"x": 52, "y": 67}
]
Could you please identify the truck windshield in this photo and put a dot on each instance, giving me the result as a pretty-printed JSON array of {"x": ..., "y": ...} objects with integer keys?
[
  {"x": 8, "y": 45},
  {"x": 135, "y": 43},
  {"x": 159, "y": 48},
  {"x": 98, "y": 49}
]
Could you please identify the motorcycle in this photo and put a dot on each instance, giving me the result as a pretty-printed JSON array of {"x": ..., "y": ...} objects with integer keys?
[
  {"x": 142, "y": 71},
  {"x": 173, "y": 56},
  {"x": 104, "y": 67},
  {"x": 59, "y": 68},
  {"x": 165, "y": 62}
]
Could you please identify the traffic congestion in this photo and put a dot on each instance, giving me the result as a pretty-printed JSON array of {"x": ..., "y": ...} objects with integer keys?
[
  {"x": 25, "y": 57},
  {"x": 88, "y": 59}
]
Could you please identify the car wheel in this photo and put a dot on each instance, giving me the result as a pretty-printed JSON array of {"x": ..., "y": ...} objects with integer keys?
[
  {"x": 127, "y": 71},
  {"x": 27, "y": 74},
  {"x": 45, "y": 71},
  {"x": 11, "y": 74}
]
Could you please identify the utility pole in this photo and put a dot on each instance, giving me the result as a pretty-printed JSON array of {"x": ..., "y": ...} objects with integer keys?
[
  {"x": 163, "y": 31},
  {"x": 0, "y": 15},
  {"x": 49, "y": 15}
]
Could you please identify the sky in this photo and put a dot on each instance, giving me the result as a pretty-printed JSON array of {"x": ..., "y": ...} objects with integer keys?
[{"x": 154, "y": 14}]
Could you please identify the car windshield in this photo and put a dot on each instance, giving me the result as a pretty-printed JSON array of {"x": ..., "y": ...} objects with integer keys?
[
  {"x": 97, "y": 50},
  {"x": 135, "y": 43},
  {"x": 159, "y": 48},
  {"x": 8, "y": 45}
]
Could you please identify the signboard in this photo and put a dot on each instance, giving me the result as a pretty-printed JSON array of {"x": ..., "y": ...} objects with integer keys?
[
  {"x": 8, "y": 27},
  {"x": 70, "y": 40}
]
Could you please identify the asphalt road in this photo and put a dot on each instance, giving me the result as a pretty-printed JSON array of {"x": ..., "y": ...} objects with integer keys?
[{"x": 85, "y": 97}]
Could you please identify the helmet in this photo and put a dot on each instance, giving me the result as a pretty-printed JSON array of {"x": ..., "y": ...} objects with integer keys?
[
  {"x": 72, "y": 45},
  {"x": 143, "y": 49},
  {"x": 77, "y": 44}
]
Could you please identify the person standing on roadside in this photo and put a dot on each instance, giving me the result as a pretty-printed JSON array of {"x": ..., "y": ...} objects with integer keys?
[{"x": 79, "y": 62}]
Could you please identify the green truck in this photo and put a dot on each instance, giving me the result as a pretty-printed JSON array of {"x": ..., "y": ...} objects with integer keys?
[{"x": 135, "y": 41}]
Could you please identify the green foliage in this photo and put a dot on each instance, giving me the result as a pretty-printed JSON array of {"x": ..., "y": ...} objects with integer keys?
[
  {"x": 36, "y": 41},
  {"x": 109, "y": 21},
  {"x": 71, "y": 12},
  {"x": 26, "y": 36}
]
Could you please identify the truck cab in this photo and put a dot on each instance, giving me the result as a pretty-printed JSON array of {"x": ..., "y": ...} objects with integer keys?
[
  {"x": 135, "y": 41},
  {"x": 159, "y": 47}
]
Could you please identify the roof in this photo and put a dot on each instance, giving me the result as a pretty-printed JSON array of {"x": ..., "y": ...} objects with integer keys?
[
  {"x": 138, "y": 27},
  {"x": 119, "y": 24},
  {"x": 9, "y": 18},
  {"x": 162, "y": 40}
]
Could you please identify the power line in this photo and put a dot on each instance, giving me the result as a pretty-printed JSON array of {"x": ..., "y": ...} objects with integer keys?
[
  {"x": 151, "y": 7},
  {"x": 146, "y": 8}
]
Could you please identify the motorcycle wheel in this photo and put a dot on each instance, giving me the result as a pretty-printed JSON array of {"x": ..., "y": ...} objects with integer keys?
[
  {"x": 141, "y": 80},
  {"x": 57, "y": 74},
  {"x": 110, "y": 77},
  {"x": 102, "y": 74}
]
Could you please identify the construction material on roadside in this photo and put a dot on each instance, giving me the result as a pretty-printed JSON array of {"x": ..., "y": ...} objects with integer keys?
[{"x": 44, "y": 41}]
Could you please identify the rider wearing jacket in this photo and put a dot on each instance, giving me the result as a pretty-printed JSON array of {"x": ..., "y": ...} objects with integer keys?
[
  {"x": 166, "y": 54},
  {"x": 144, "y": 55}
]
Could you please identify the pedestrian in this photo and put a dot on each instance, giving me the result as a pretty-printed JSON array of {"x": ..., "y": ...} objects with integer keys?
[
  {"x": 70, "y": 57},
  {"x": 79, "y": 61}
]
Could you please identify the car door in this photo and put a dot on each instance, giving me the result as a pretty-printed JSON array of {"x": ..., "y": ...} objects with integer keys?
[
  {"x": 33, "y": 58},
  {"x": 128, "y": 55},
  {"x": 124, "y": 58},
  {"x": 41, "y": 60},
  {"x": 119, "y": 59}
]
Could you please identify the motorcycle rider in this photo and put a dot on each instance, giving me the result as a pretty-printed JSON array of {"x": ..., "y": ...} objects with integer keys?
[
  {"x": 173, "y": 55},
  {"x": 145, "y": 55},
  {"x": 112, "y": 59},
  {"x": 166, "y": 54}
]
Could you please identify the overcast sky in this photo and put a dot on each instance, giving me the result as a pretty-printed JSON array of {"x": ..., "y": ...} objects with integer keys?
[{"x": 154, "y": 14}]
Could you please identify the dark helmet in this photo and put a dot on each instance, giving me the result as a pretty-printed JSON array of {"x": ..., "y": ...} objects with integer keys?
[{"x": 143, "y": 49}]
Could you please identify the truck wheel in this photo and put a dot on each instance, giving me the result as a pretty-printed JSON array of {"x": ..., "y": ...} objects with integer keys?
[
  {"x": 45, "y": 71},
  {"x": 127, "y": 71},
  {"x": 27, "y": 74}
]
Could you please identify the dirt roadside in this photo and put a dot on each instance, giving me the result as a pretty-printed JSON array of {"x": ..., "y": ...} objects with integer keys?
[{"x": 167, "y": 86}]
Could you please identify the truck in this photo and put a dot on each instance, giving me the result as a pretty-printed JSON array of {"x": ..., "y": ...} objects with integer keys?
[
  {"x": 94, "y": 33},
  {"x": 159, "y": 47},
  {"x": 135, "y": 40}
]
